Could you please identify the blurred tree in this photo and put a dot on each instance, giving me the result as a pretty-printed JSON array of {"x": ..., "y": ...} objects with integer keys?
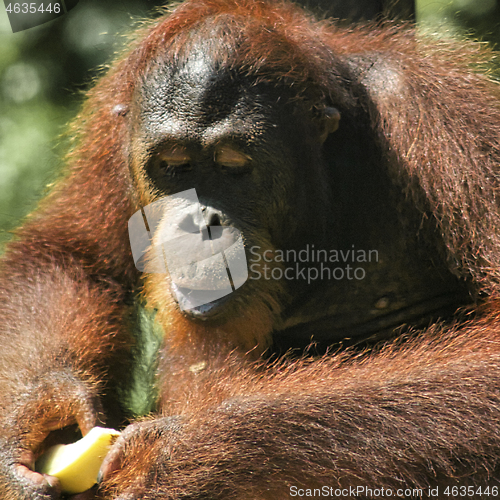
[
  {"x": 481, "y": 18},
  {"x": 43, "y": 71}
]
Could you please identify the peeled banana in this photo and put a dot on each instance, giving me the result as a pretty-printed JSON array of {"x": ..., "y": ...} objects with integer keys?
[{"x": 76, "y": 465}]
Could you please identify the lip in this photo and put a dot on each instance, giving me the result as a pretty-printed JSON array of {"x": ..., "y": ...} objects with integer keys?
[{"x": 205, "y": 310}]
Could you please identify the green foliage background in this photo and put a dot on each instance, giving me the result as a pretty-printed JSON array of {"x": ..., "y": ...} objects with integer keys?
[
  {"x": 43, "y": 74},
  {"x": 44, "y": 71}
]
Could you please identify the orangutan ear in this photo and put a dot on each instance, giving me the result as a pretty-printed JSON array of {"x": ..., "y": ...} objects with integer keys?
[{"x": 328, "y": 122}]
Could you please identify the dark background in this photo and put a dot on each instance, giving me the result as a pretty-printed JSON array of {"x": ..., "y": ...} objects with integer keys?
[{"x": 45, "y": 70}]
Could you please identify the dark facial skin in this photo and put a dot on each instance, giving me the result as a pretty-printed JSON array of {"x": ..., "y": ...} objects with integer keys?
[{"x": 228, "y": 138}]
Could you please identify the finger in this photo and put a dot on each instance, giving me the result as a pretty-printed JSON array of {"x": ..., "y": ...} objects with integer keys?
[
  {"x": 112, "y": 462},
  {"x": 89, "y": 415},
  {"x": 43, "y": 481}
]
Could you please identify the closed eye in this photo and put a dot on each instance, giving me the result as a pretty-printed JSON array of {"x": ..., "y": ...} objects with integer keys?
[
  {"x": 232, "y": 160},
  {"x": 175, "y": 159}
]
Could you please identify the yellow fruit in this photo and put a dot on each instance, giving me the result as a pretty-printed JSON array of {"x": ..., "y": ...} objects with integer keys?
[{"x": 76, "y": 465}]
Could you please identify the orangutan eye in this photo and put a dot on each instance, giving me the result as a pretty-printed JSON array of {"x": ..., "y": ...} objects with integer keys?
[
  {"x": 232, "y": 160},
  {"x": 175, "y": 157}
]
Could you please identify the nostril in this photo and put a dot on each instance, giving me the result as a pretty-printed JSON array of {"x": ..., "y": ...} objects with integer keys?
[{"x": 214, "y": 219}]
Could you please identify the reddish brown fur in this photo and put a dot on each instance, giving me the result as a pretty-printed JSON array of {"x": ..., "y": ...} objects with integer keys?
[{"x": 420, "y": 412}]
